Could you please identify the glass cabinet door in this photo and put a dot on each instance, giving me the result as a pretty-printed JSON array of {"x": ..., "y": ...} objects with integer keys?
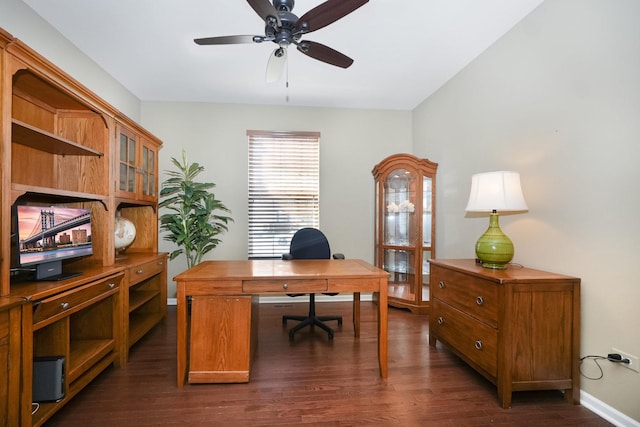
[
  {"x": 127, "y": 162},
  {"x": 148, "y": 169},
  {"x": 399, "y": 195},
  {"x": 427, "y": 214}
]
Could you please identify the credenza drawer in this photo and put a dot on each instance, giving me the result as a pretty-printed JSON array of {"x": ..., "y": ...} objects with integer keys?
[
  {"x": 145, "y": 270},
  {"x": 285, "y": 286},
  {"x": 475, "y": 296},
  {"x": 475, "y": 340},
  {"x": 75, "y": 299}
]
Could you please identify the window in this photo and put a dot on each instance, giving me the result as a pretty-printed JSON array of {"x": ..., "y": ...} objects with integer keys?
[{"x": 284, "y": 175}]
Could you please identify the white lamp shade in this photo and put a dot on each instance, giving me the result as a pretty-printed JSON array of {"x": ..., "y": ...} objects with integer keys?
[{"x": 500, "y": 191}]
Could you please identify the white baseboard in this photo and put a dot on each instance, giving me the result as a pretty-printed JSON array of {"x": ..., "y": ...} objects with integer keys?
[
  {"x": 607, "y": 412},
  {"x": 603, "y": 410}
]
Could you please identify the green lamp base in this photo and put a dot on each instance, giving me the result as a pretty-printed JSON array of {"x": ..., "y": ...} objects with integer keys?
[{"x": 494, "y": 249}]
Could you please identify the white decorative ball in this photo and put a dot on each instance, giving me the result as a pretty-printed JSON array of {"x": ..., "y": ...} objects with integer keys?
[{"x": 125, "y": 233}]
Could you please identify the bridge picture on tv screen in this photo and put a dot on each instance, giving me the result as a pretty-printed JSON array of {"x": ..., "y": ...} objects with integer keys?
[{"x": 53, "y": 233}]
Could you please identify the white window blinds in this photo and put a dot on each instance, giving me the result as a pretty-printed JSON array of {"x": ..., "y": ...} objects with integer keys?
[{"x": 284, "y": 175}]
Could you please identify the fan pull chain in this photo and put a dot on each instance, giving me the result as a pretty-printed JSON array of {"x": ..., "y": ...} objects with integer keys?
[{"x": 286, "y": 65}]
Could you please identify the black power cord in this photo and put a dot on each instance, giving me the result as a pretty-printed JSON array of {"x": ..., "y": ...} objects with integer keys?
[{"x": 611, "y": 357}]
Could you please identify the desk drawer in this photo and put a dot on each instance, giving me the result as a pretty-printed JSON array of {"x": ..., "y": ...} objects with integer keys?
[
  {"x": 475, "y": 296},
  {"x": 143, "y": 271},
  {"x": 284, "y": 286},
  {"x": 71, "y": 301},
  {"x": 475, "y": 340}
]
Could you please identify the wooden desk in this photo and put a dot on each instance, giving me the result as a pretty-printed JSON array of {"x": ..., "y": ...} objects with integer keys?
[{"x": 219, "y": 336}]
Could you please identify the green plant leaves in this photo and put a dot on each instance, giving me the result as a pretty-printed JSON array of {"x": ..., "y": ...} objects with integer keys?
[{"x": 192, "y": 223}]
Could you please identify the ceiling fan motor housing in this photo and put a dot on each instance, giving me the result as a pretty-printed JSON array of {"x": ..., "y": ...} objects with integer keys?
[
  {"x": 283, "y": 35},
  {"x": 283, "y": 5}
]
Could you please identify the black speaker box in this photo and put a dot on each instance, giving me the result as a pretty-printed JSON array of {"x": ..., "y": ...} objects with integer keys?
[{"x": 48, "y": 379}]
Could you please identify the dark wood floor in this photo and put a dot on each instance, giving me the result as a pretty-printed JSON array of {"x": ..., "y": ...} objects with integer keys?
[{"x": 314, "y": 382}]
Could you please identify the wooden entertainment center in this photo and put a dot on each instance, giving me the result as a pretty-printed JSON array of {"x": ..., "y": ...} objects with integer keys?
[{"x": 62, "y": 145}]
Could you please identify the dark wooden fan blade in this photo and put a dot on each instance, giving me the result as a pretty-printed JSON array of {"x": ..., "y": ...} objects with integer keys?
[
  {"x": 324, "y": 53},
  {"x": 265, "y": 9},
  {"x": 326, "y": 13},
  {"x": 224, "y": 40}
]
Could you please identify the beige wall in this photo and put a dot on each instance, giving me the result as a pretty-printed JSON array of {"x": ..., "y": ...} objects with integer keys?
[
  {"x": 351, "y": 143},
  {"x": 22, "y": 22},
  {"x": 558, "y": 100}
]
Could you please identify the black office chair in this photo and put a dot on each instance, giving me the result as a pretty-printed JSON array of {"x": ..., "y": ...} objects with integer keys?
[{"x": 310, "y": 243}]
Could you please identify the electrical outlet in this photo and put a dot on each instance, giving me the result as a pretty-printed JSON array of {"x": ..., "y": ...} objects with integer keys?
[{"x": 634, "y": 363}]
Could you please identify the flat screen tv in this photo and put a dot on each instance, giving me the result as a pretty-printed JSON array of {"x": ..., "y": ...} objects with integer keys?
[{"x": 46, "y": 235}]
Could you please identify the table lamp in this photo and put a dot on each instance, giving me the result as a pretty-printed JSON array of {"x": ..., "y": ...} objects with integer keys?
[{"x": 495, "y": 192}]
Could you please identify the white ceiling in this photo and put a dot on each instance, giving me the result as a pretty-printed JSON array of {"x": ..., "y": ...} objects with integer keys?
[{"x": 403, "y": 50}]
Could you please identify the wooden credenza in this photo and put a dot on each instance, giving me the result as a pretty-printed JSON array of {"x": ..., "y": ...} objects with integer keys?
[
  {"x": 62, "y": 145},
  {"x": 519, "y": 327},
  {"x": 78, "y": 320}
]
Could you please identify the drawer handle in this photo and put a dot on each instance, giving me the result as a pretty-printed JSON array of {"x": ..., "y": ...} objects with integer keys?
[
  {"x": 441, "y": 284},
  {"x": 160, "y": 262},
  {"x": 112, "y": 285},
  {"x": 285, "y": 286},
  {"x": 478, "y": 345},
  {"x": 440, "y": 320},
  {"x": 139, "y": 271},
  {"x": 64, "y": 305},
  {"x": 479, "y": 300}
]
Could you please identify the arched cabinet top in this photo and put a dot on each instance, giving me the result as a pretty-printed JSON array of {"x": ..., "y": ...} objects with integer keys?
[{"x": 404, "y": 160}]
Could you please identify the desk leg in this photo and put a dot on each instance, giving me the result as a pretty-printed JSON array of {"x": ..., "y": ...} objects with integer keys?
[
  {"x": 182, "y": 334},
  {"x": 356, "y": 314},
  {"x": 382, "y": 330}
]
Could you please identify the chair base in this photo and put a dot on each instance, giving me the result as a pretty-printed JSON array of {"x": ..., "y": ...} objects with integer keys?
[{"x": 311, "y": 320}]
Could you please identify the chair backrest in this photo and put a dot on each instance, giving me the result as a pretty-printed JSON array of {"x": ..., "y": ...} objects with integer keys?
[{"x": 309, "y": 243}]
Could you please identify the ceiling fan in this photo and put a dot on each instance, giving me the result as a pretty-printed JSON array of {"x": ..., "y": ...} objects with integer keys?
[{"x": 284, "y": 28}]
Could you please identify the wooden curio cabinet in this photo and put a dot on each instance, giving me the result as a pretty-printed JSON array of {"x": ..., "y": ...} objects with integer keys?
[{"x": 405, "y": 189}]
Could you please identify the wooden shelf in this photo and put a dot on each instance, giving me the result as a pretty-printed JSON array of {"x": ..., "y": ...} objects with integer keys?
[
  {"x": 85, "y": 353},
  {"x": 140, "y": 324},
  {"x": 45, "y": 411},
  {"x": 31, "y": 136},
  {"x": 51, "y": 194},
  {"x": 48, "y": 409},
  {"x": 28, "y": 85},
  {"x": 138, "y": 298}
]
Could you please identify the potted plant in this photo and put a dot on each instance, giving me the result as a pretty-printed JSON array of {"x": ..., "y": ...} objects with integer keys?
[{"x": 196, "y": 218}]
